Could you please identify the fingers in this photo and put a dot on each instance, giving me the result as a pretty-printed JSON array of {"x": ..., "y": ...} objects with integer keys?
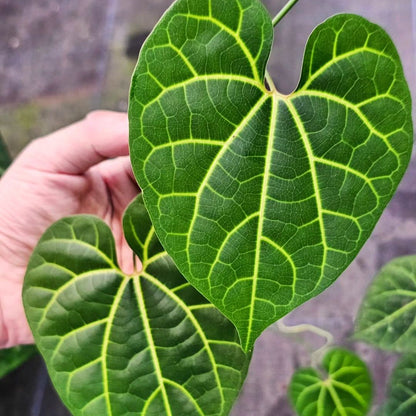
[{"x": 74, "y": 149}]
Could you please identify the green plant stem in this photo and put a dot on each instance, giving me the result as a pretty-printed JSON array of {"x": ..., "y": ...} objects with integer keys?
[
  {"x": 296, "y": 329},
  {"x": 270, "y": 82},
  {"x": 283, "y": 12}
]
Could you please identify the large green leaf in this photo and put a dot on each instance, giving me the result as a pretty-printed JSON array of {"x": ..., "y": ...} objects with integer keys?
[
  {"x": 401, "y": 395},
  {"x": 263, "y": 199},
  {"x": 118, "y": 345},
  {"x": 386, "y": 318},
  {"x": 345, "y": 389},
  {"x": 12, "y": 358}
]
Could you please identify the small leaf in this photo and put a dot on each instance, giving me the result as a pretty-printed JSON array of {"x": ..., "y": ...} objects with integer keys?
[
  {"x": 401, "y": 395},
  {"x": 12, "y": 358},
  {"x": 345, "y": 390},
  {"x": 118, "y": 345},
  {"x": 263, "y": 200},
  {"x": 386, "y": 318}
]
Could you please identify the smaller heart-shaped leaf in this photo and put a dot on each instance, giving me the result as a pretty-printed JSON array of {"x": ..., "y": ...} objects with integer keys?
[
  {"x": 386, "y": 318},
  {"x": 345, "y": 389},
  {"x": 401, "y": 396},
  {"x": 122, "y": 345}
]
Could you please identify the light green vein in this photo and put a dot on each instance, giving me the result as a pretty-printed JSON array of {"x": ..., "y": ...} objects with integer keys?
[
  {"x": 206, "y": 78},
  {"x": 146, "y": 246},
  {"x": 186, "y": 393},
  {"x": 233, "y": 34},
  {"x": 62, "y": 338},
  {"x": 183, "y": 142},
  {"x": 227, "y": 239},
  {"x": 106, "y": 341},
  {"x": 150, "y": 400},
  {"x": 220, "y": 154},
  {"x": 285, "y": 254},
  {"x": 150, "y": 341},
  {"x": 351, "y": 390},
  {"x": 345, "y": 103},
  {"x": 71, "y": 282},
  {"x": 262, "y": 210},
  {"x": 197, "y": 326},
  {"x": 341, "y": 57},
  {"x": 311, "y": 157},
  {"x": 336, "y": 399},
  {"x": 154, "y": 258},
  {"x": 348, "y": 169},
  {"x": 184, "y": 59},
  {"x": 389, "y": 318}
]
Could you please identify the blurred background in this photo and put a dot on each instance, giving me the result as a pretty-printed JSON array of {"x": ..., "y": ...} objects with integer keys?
[{"x": 60, "y": 59}]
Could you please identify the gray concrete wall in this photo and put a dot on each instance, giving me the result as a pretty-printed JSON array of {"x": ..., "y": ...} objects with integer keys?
[{"x": 60, "y": 59}]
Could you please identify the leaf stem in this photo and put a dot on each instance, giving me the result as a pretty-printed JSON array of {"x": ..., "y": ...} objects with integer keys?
[
  {"x": 270, "y": 82},
  {"x": 283, "y": 12},
  {"x": 296, "y": 329}
]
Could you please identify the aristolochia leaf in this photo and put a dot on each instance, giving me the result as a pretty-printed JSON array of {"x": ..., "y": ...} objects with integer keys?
[
  {"x": 386, "y": 318},
  {"x": 262, "y": 199},
  {"x": 401, "y": 396},
  {"x": 346, "y": 389},
  {"x": 118, "y": 345}
]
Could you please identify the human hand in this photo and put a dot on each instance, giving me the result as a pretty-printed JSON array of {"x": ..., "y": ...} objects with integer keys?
[{"x": 83, "y": 168}]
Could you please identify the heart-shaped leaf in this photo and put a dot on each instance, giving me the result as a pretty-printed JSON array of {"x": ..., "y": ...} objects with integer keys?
[
  {"x": 345, "y": 389},
  {"x": 262, "y": 199},
  {"x": 386, "y": 318},
  {"x": 401, "y": 395},
  {"x": 119, "y": 345}
]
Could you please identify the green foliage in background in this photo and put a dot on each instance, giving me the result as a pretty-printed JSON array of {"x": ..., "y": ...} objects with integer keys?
[
  {"x": 401, "y": 394},
  {"x": 387, "y": 315},
  {"x": 345, "y": 388}
]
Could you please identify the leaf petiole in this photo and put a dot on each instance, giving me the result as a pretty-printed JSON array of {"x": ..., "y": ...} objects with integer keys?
[
  {"x": 283, "y": 12},
  {"x": 296, "y": 329}
]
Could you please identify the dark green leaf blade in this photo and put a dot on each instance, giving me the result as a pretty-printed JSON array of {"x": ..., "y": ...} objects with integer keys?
[
  {"x": 401, "y": 395},
  {"x": 346, "y": 390},
  {"x": 119, "y": 345},
  {"x": 386, "y": 317},
  {"x": 262, "y": 200},
  {"x": 12, "y": 358}
]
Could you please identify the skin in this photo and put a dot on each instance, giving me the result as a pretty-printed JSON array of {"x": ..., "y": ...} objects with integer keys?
[{"x": 81, "y": 169}]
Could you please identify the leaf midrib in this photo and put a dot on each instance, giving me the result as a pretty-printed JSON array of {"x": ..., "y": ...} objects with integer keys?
[{"x": 150, "y": 341}]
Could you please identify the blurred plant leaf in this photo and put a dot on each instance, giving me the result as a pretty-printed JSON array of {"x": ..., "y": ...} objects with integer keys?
[
  {"x": 345, "y": 389},
  {"x": 401, "y": 395},
  {"x": 386, "y": 318}
]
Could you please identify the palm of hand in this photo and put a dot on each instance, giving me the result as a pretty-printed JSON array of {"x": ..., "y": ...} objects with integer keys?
[{"x": 70, "y": 172}]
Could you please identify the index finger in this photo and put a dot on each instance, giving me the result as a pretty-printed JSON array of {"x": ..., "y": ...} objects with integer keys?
[{"x": 75, "y": 148}]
